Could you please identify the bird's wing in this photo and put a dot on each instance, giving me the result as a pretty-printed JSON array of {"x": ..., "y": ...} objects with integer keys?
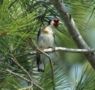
[{"x": 38, "y": 34}]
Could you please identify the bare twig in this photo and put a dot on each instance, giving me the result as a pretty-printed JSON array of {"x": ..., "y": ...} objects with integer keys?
[
  {"x": 18, "y": 64},
  {"x": 12, "y": 3},
  {"x": 73, "y": 30},
  {"x": 51, "y": 64},
  {"x": 18, "y": 75},
  {"x": 31, "y": 79},
  {"x": 24, "y": 78},
  {"x": 26, "y": 88},
  {"x": 65, "y": 50},
  {"x": 52, "y": 71}
]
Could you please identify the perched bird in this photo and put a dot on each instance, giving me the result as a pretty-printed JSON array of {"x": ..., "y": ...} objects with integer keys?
[{"x": 45, "y": 39}]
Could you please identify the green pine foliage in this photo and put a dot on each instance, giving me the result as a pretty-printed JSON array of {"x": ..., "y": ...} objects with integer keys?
[{"x": 20, "y": 21}]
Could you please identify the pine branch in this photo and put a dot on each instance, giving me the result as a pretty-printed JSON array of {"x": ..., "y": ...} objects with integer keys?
[
  {"x": 18, "y": 64},
  {"x": 18, "y": 75},
  {"x": 50, "y": 61},
  {"x": 24, "y": 78},
  {"x": 24, "y": 70}
]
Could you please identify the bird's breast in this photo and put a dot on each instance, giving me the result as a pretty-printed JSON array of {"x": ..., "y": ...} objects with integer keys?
[{"x": 46, "y": 40}]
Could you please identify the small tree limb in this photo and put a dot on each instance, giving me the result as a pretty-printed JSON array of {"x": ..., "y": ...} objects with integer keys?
[
  {"x": 50, "y": 61},
  {"x": 18, "y": 64},
  {"x": 24, "y": 78},
  {"x": 49, "y": 50}
]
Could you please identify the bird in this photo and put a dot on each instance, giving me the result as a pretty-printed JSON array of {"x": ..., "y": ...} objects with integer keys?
[{"x": 45, "y": 39}]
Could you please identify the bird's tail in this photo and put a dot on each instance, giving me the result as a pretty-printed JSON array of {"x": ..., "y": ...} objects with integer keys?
[{"x": 40, "y": 63}]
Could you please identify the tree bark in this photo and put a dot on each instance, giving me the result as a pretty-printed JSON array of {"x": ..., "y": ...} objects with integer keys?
[{"x": 73, "y": 30}]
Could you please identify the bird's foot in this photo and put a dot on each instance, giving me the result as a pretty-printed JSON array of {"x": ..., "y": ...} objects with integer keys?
[{"x": 53, "y": 49}]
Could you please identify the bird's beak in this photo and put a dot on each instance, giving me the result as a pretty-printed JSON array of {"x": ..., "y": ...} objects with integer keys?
[{"x": 60, "y": 22}]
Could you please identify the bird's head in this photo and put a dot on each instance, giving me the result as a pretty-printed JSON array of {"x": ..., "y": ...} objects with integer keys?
[{"x": 55, "y": 22}]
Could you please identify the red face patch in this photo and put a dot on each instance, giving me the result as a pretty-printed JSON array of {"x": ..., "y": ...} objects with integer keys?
[{"x": 56, "y": 22}]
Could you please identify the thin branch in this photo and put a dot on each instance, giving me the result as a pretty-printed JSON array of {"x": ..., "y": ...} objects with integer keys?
[
  {"x": 18, "y": 75},
  {"x": 24, "y": 78},
  {"x": 73, "y": 30},
  {"x": 64, "y": 50},
  {"x": 51, "y": 64},
  {"x": 52, "y": 71},
  {"x": 18, "y": 64},
  {"x": 12, "y": 3},
  {"x": 26, "y": 88}
]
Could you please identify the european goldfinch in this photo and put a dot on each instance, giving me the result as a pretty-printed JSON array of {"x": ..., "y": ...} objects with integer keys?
[{"x": 45, "y": 39}]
